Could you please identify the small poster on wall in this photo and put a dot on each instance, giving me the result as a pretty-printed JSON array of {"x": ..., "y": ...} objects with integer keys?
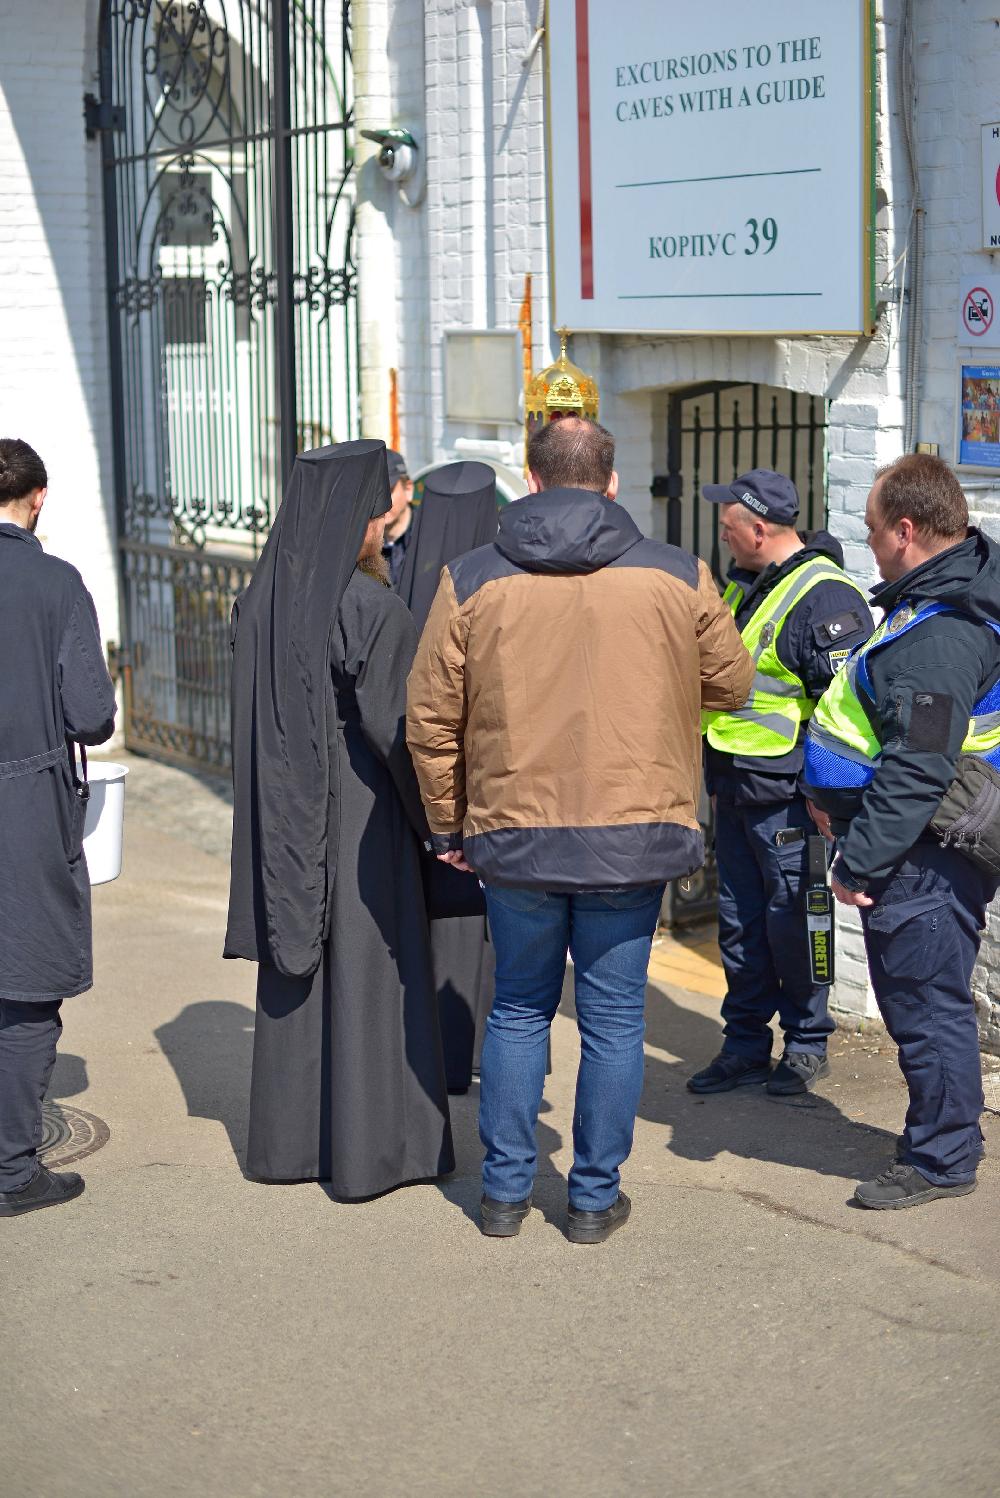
[{"x": 979, "y": 438}]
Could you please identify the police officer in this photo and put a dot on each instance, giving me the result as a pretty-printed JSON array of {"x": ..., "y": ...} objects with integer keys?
[
  {"x": 799, "y": 616},
  {"x": 880, "y": 755}
]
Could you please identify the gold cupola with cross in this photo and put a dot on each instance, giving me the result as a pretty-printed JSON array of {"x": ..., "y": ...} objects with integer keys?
[{"x": 560, "y": 390}]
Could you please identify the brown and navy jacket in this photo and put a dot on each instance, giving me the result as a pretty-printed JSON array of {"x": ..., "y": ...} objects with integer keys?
[{"x": 554, "y": 705}]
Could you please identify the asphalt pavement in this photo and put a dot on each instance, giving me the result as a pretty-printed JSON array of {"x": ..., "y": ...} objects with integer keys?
[{"x": 181, "y": 1331}]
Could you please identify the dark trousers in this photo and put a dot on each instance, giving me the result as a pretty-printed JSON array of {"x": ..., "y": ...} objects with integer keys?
[
  {"x": 762, "y": 931},
  {"x": 29, "y": 1034},
  {"x": 922, "y": 937}
]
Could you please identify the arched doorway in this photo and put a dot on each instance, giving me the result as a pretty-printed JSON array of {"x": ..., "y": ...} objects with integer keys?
[{"x": 226, "y": 137}]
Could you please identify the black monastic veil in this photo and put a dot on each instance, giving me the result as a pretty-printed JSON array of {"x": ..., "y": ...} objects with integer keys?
[
  {"x": 458, "y": 513},
  {"x": 348, "y": 1082},
  {"x": 283, "y": 861}
]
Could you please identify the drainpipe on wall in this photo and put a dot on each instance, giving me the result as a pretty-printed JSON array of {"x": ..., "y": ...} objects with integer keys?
[{"x": 915, "y": 237}]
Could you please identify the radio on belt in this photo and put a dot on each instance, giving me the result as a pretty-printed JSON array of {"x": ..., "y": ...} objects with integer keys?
[{"x": 819, "y": 914}]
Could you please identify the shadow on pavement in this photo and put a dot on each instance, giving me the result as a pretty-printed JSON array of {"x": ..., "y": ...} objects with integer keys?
[
  {"x": 210, "y": 1047},
  {"x": 69, "y": 1076},
  {"x": 808, "y": 1132}
]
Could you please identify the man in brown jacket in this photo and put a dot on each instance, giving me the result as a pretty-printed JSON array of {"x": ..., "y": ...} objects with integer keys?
[{"x": 554, "y": 719}]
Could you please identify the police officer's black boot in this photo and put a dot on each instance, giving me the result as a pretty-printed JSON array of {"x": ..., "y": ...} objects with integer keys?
[
  {"x": 728, "y": 1071},
  {"x": 797, "y": 1071},
  {"x": 903, "y": 1186}
]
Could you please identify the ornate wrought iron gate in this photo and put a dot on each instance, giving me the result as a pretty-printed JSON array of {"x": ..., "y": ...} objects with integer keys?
[
  {"x": 225, "y": 131},
  {"x": 714, "y": 432}
]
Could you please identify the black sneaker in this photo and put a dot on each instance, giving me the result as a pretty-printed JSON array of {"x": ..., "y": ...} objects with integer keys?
[
  {"x": 502, "y": 1219},
  {"x": 46, "y": 1190},
  {"x": 903, "y": 1186},
  {"x": 594, "y": 1227},
  {"x": 797, "y": 1071},
  {"x": 728, "y": 1071}
]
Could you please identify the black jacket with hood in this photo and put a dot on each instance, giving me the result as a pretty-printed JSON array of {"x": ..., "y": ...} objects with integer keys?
[
  {"x": 821, "y": 629},
  {"x": 925, "y": 685}
]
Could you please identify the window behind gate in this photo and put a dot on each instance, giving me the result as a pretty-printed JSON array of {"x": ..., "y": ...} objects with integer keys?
[{"x": 226, "y": 144}]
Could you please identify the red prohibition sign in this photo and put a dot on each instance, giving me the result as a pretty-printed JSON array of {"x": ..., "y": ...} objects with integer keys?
[{"x": 977, "y": 311}]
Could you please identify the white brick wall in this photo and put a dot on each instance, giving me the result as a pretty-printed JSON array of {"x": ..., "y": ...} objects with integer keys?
[
  {"x": 53, "y": 339},
  {"x": 958, "y": 89}
]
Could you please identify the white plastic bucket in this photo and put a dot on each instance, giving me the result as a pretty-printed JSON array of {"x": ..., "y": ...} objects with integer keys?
[{"x": 105, "y": 820}]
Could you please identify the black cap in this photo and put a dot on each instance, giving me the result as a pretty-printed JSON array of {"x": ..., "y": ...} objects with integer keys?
[
  {"x": 397, "y": 467},
  {"x": 766, "y": 494}
]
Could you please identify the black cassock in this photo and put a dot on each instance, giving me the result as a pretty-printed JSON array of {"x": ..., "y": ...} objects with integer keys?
[
  {"x": 348, "y": 1078},
  {"x": 458, "y": 513}
]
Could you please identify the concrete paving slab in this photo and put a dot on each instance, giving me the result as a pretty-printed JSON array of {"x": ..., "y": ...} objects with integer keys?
[{"x": 181, "y": 1331}]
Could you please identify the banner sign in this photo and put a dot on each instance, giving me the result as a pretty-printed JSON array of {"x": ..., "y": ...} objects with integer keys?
[
  {"x": 979, "y": 438},
  {"x": 711, "y": 166},
  {"x": 991, "y": 186}
]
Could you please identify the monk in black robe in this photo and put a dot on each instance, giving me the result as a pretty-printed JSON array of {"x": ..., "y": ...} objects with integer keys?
[
  {"x": 458, "y": 513},
  {"x": 348, "y": 1082}
]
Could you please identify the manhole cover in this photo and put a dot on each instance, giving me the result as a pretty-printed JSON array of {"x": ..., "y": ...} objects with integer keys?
[{"x": 69, "y": 1134}]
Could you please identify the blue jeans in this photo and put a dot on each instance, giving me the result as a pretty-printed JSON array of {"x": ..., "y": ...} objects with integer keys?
[
  {"x": 762, "y": 932},
  {"x": 609, "y": 935}
]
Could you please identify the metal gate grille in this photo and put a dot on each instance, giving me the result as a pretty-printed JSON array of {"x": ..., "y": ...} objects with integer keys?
[
  {"x": 226, "y": 144},
  {"x": 716, "y": 431}
]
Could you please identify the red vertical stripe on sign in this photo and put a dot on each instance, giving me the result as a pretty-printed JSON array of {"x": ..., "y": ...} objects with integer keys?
[{"x": 583, "y": 136}]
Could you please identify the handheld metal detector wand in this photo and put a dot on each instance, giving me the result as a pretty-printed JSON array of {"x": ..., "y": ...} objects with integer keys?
[{"x": 820, "y": 907}]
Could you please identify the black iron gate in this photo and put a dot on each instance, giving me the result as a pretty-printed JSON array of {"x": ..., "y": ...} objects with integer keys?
[
  {"x": 718, "y": 430},
  {"x": 226, "y": 138},
  {"x": 714, "y": 432}
]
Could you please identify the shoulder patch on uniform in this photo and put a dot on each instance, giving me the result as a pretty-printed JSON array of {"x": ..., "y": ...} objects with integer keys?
[
  {"x": 929, "y": 728},
  {"x": 837, "y": 627},
  {"x": 837, "y": 658}
]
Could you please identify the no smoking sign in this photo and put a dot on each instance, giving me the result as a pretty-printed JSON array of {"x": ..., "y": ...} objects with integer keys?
[{"x": 978, "y": 299}]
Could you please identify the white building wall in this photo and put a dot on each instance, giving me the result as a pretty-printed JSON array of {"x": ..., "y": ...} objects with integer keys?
[
  {"x": 958, "y": 90},
  {"x": 53, "y": 330}
]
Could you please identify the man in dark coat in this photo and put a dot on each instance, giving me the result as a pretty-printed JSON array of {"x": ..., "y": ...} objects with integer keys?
[
  {"x": 54, "y": 687},
  {"x": 348, "y": 1079},
  {"x": 457, "y": 514}
]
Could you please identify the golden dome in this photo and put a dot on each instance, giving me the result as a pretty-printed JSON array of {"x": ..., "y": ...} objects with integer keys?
[{"x": 560, "y": 390}]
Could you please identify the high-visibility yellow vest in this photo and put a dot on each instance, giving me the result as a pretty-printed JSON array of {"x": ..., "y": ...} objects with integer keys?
[
  {"x": 768, "y": 726},
  {"x": 842, "y": 747}
]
